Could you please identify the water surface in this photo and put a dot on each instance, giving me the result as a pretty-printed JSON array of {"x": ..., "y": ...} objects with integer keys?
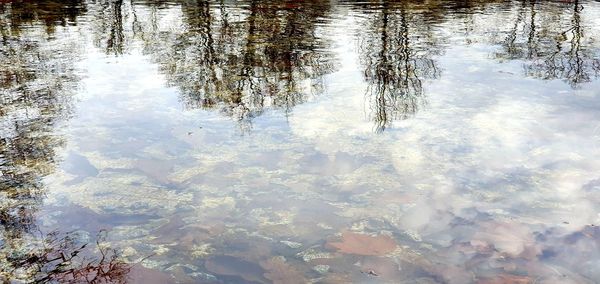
[{"x": 306, "y": 142}]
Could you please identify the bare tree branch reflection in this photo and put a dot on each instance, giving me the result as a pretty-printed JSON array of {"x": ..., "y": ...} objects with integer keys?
[
  {"x": 253, "y": 56},
  {"x": 400, "y": 40},
  {"x": 397, "y": 56},
  {"x": 61, "y": 258},
  {"x": 244, "y": 59},
  {"x": 552, "y": 42},
  {"x": 108, "y": 26}
]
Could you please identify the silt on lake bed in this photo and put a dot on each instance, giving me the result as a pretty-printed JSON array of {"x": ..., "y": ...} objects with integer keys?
[{"x": 299, "y": 141}]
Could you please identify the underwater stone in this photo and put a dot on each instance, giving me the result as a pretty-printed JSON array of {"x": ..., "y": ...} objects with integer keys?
[
  {"x": 128, "y": 232},
  {"x": 129, "y": 252},
  {"x": 126, "y": 194},
  {"x": 214, "y": 202},
  {"x": 321, "y": 268},
  {"x": 311, "y": 254},
  {"x": 160, "y": 250},
  {"x": 413, "y": 235},
  {"x": 201, "y": 251},
  {"x": 291, "y": 244},
  {"x": 270, "y": 218},
  {"x": 204, "y": 276},
  {"x": 324, "y": 226},
  {"x": 153, "y": 264},
  {"x": 188, "y": 266}
]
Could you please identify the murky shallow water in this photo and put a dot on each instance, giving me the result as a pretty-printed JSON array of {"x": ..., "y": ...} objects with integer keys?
[{"x": 328, "y": 142}]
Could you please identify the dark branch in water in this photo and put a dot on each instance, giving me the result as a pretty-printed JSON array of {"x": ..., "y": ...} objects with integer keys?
[{"x": 60, "y": 258}]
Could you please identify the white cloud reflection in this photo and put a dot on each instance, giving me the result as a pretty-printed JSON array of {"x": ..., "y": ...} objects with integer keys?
[
  {"x": 513, "y": 155},
  {"x": 496, "y": 166}
]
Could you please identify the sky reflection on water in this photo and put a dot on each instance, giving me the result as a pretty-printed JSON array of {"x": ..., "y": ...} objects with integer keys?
[{"x": 275, "y": 141}]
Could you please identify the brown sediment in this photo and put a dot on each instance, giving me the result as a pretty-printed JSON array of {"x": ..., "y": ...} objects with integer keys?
[
  {"x": 507, "y": 279},
  {"x": 232, "y": 266},
  {"x": 278, "y": 271},
  {"x": 142, "y": 275},
  {"x": 361, "y": 244}
]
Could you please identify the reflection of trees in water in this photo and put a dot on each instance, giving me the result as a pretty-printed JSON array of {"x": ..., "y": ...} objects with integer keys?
[
  {"x": 397, "y": 55},
  {"x": 37, "y": 80},
  {"x": 399, "y": 40},
  {"x": 51, "y": 13},
  {"x": 254, "y": 55},
  {"x": 246, "y": 58},
  {"x": 552, "y": 41},
  {"x": 108, "y": 27}
]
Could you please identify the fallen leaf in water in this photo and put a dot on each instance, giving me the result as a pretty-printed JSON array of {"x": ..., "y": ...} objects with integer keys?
[
  {"x": 280, "y": 272},
  {"x": 361, "y": 244}
]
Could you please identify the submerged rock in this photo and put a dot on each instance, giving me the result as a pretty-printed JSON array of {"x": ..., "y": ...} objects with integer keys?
[
  {"x": 202, "y": 251},
  {"x": 321, "y": 268},
  {"x": 214, "y": 202},
  {"x": 311, "y": 254},
  {"x": 267, "y": 217},
  {"x": 291, "y": 244},
  {"x": 127, "y": 195}
]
